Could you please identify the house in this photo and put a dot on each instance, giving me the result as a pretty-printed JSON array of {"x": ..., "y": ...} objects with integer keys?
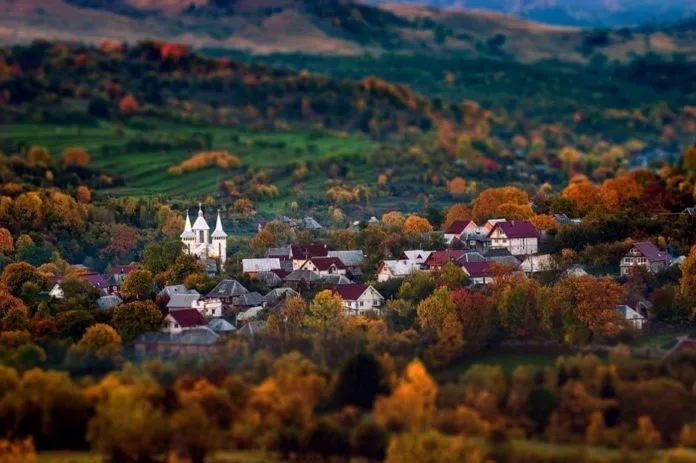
[
  {"x": 278, "y": 295},
  {"x": 359, "y": 299},
  {"x": 576, "y": 271},
  {"x": 209, "y": 308},
  {"x": 417, "y": 255},
  {"x": 169, "y": 291},
  {"x": 537, "y": 264},
  {"x": 300, "y": 254},
  {"x": 352, "y": 259},
  {"x": 177, "y": 321},
  {"x": 109, "y": 302},
  {"x": 249, "y": 300},
  {"x": 227, "y": 291},
  {"x": 96, "y": 280},
  {"x": 646, "y": 255},
  {"x": 182, "y": 301},
  {"x": 196, "y": 342},
  {"x": 502, "y": 257},
  {"x": 270, "y": 279},
  {"x": 563, "y": 219},
  {"x": 325, "y": 266},
  {"x": 437, "y": 259},
  {"x": 221, "y": 326},
  {"x": 115, "y": 279},
  {"x": 471, "y": 256},
  {"x": 520, "y": 237},
  {"x": 333, "y": 280},
  {"x": 253, "y": 266},
  {"x": 251, "y": 329},
  {"x": 308, "y": 223},
  {"x": 689, "y": 211},
  {"x": 635, "y": 319},
  {"x": 684, "y": 344},
  {"x": 248, "y": 315},
  {"x": 302, "y": 280},
  {"x": 396, "y": 269},
  {"x": 480, "y": 273}
]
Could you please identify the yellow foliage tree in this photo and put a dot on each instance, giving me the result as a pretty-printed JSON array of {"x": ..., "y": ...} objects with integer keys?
[{"x": 416, "y": 225}]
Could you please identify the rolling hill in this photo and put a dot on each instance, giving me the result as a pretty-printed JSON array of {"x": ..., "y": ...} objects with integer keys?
[
  {"x": 605, "y": 13},
  {"x": 325, "y": 27}
]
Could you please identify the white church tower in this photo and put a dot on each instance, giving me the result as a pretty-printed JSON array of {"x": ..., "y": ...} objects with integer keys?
[{"x": 197, "y": 238}]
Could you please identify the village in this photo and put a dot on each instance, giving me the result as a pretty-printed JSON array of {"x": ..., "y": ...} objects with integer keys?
[{"x": 194, "y": 323}]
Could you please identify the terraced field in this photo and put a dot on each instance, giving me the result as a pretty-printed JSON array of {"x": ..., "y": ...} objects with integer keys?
[{"x": 145, "y": 172}]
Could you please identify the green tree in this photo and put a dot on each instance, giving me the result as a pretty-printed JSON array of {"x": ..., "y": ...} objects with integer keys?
[
  {"x": 74, "y": 323},
  {"x": 133, "y": 319},
  {"x": 137, "y": 285},
  {"x": 99, "y": 341}
]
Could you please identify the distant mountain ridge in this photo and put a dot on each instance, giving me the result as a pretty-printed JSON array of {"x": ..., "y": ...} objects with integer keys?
[
  {"x": 596, "y": 13},
  {"x": 335, "y": 27}
]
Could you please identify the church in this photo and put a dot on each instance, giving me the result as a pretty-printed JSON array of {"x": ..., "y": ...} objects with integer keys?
[{"x": 197, "y": 239}]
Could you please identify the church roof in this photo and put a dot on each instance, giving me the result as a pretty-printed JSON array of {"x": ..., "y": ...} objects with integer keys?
[
  {"x": 219, "y": 232},
  {"x": 188, "y": 231},
  {"x": 200, "y": 223}
]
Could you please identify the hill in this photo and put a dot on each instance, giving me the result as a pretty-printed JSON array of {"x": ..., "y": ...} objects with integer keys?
[
  {"x": 325, "y": 27},
  {"x": 593, "y": 13}
]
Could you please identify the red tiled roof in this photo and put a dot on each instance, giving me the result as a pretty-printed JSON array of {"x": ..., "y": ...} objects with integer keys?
[
  {"x": 324, "y": 263},
  {"x": 517, "y": 229},
  {"x": 309, "y": 251},
  {"x": 457, "y": 227},
  {"x": 651, "y": 252},
  {"x": 439, "y": 258},
  {"x": 478, "y": 269},
  {"x": 350, "y": 292},
  {"x": 188, "y": 318},
  {"x": 280, "y": 272},
  {"x": 94, "y": 279}
]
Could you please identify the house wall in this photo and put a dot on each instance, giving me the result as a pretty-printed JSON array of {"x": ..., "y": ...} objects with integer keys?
[
  {"x": 368, "y": 301},
  {"x": 516, "y": 246}
]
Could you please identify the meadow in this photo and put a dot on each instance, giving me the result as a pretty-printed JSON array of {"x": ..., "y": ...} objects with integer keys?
[{"x": 144, "y": 170}]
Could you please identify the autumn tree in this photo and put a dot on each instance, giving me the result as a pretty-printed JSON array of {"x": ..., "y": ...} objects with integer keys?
[
  {"x": 137, "y": 284},
  {"x": 393, "y": 219},
  {"x": 584, "y": 194},
  {"x": 457, "y": 186},
  {"x": 244, "y": 207},
  {"x": 128, "y": 105},
  {"x": 123, "y": 241},
  {"x": 502, "y": 202},
  {"x": 99, "y": 341},
  {"x": 687, "y": 283},
  {"x": 76, "y": 156},
  {"x": 411, "y": 405},
  {"x": 6, "y": 241},
  {"x": 457, "y": 212},
  {"x": 15, "y": 275},
  {"x": 416, "y": 225},
  {"x": 194, "y": 429},
  {"x": 516, "y": 300},
  {"x": 133, "y": 319}
]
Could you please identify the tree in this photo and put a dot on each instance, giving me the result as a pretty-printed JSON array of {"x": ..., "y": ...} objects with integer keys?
[
  {"x": 83, "y": 194},
  {"x": 128, "y": 105},
  {"x": 393, "y": 219},
  {"x": 457, "y": 186},
  {"x": 411, "y": 406},
  {"x": 360, "y": 381},
  {"x": 99, "y": 341},
  {"x": 75, "y": 156},
  {"x": 128, "y": 437},
  {"x": 369, "y": 441},
  {"x": 132, "y": 320},
  {"x": 451, "y": 276},
  {"x": 194, "y": 429},
  {"x": 325, "y": 438},
  {"x": 584, "y": 194},
  {"x": 416, "y": 225},
  {"x": 16, "y": 274},
  {"x": 431, "y": 447},
  {"x": 326, "y": 311},
  {"x": 158, "y": 257},
  {"x": 73, "y": 324},
  {"x": 28, "y": 356},
  {"x": 123, "y": 241},
  {"x": 293, "y": 314},
  {"x": 243, "y": 207},
  {"x": 6, "y": 241},
  {"x": 137, "y": 285},
  {"x": 687, "y": 283},
  {"x": 9, "y": 302},
  {"x": 516, "y": 300},
  {"x": 457, "y": 212},
  {"x": 495, "y": 202},
  {"x": 597, "y": 301},
  {"x": 17, "y": 451},
  {"x": 476, "y": 313}
]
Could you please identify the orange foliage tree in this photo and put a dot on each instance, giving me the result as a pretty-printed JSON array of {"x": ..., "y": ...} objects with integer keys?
[
  {"x": 6, "y": 241},
  {"x": 416, "y": 224},
  {"x": 76, "y": 156},
  {"x": 495, "y": 202},
  {"x": 584, "y": 194},
  {"x": 457, "y": 186},
  {"x": 128, "y": 105},
  {"x": 457, "y": 212}
]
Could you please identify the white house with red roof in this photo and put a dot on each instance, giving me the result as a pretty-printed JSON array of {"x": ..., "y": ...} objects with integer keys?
[
  {"x": 301, "y": 253},
  {"x": 520, "y": 237},
  {"x": 402, "y": 268},
  {"x": 480, "y": 273},
  {"x": 179, "y": 320},
  {"x": 359, "y": 299},
  {"x": 646, "y": 255},
  {"x": 326, "y": 266}
]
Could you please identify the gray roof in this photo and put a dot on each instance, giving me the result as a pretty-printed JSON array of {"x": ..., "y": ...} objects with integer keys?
[
  {"x": 221, "y": 325},
  {"x": 252, "y": 328},
  {"x": 250, "y": 299},
  {"x": 260, "y": 265},
  {"x": 308, "y": 223},
  {"x": 337, "y": 279},
  {"x": 227, "y": 288},
  {"x": 176, "y": 289},
  {"x": 278, "y": 252},
  {"x": 303, "y": 275},
  {"x": 109, "y": 302},
  {"x": 280, "y": 293},
  {"x": 196, "y": 336},
  {"x": 181, "y": 301},
  {"x": 493, "y": 253},
  {"x": 471, "y": 257},
  {"x": 351, "y": 258},
  {"x": 270, "y": 279}
]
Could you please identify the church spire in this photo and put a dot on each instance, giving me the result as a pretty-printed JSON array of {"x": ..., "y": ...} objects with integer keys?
[
  {"x": 200, "y": 223},
  {"x": 188, "y": 230},
  {"x": 219, "y": 232}
]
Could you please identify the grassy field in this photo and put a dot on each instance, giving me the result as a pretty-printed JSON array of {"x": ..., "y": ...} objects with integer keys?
[{"x": 145, "y": 172}]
